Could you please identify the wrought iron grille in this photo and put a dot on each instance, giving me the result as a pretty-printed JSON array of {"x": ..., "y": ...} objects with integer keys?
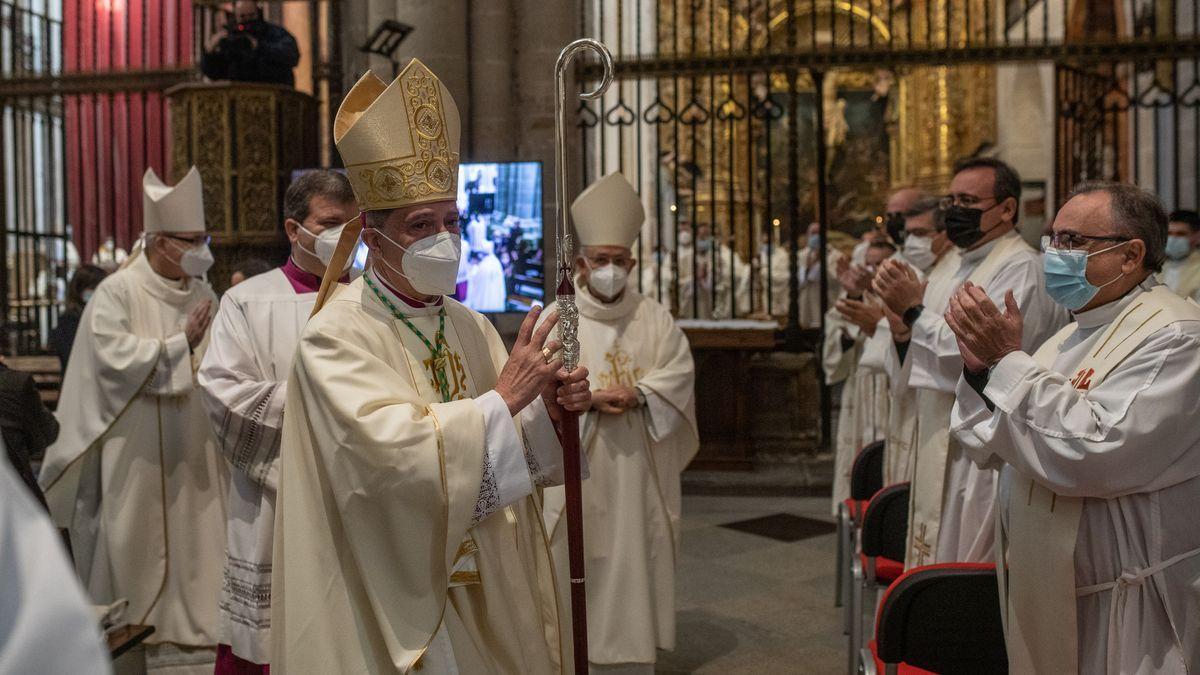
[{"x": 742, "y": 122}]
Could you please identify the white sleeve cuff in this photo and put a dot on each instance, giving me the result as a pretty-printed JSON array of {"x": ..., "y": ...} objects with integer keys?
[
  {"x": 173, "y": 371},
  {"x": 1005, "y": 382},
  {"x": 543, "y": 452},
  {"x": 505, "y": 476},
  {"x": 661, "y": 416}
]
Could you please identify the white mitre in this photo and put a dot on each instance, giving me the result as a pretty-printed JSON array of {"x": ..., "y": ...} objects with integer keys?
[
  {"x": 608, "y": 213},
  {"x": 173, "y": 209},
  {"x": 399, "y": 142}
]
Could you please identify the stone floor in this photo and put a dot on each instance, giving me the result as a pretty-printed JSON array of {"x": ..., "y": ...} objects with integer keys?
[{"x": 753, "y": 603}]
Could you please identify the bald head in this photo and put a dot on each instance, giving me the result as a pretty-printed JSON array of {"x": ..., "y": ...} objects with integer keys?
[{"x": 904, "y": 199}]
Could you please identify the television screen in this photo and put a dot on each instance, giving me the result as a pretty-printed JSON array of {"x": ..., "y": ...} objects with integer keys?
[{"x": 502, "y": 259}]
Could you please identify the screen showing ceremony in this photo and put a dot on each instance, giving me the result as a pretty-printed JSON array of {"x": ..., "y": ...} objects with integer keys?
[{"x": 501, "y": 269}]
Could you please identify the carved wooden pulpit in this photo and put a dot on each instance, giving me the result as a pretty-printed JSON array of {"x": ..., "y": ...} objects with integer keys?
[{"x": 246, "y": 139}]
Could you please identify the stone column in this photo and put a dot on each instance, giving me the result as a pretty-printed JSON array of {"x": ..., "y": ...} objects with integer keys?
[{"x": 492, "y": 131}]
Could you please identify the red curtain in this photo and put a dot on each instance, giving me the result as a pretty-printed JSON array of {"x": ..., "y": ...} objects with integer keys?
[{"x": 111, "y": 138}]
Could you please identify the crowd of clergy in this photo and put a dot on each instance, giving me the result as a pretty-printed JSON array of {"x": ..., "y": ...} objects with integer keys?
[{"x": 330, "y": 472}]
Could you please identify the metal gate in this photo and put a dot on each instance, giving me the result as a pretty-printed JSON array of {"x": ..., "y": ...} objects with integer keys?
[
  {"x": 82, "y": 115},
  {"x": 743, "y": 121}
]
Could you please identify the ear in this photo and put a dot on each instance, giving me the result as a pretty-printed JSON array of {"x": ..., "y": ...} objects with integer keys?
[
  {"x": 1135, "y": 256},
  {"x": 1010, "y": 208},
  {"x": 292, "y": 228},
  {"x": 632, "y": 264}
]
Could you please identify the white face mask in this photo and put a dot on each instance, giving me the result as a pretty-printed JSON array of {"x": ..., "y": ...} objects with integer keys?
[
  {"x": 196, "y": 260},
  {"x": 685, "y": 238},
  {"x": 919, "y": 252},
  {"x": 432, "y": 263},
  {"x": 326, "y": 244},
  {"x": 608, "y": 281}
]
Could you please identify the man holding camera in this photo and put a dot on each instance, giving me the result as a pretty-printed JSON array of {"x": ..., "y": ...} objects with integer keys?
[{"x": 251, "y": 50}]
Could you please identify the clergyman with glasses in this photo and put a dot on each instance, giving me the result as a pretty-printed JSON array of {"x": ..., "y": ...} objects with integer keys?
[
  {"x": 1096, "y": 433},
  {"x": 136, "y": 476},
  {"x": 951, "y": 514},
  {"x": 639, "y": 435}
]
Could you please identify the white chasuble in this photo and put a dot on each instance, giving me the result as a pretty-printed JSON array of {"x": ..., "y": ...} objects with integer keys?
[
  {"x": 401, "y": 540},
  {"x": 631, "y": 500},
  {"x": 136, "y": 474},
  {"x": 1099, "y": 490},
  {"x": 863, "y": 411},
  {"x": 952, "y": 504},
  {"x": 243, "y": 381}
]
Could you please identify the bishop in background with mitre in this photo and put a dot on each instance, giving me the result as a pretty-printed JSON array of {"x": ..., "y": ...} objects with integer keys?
[
  {"x": 639, "y": 436},
  {"x": 408, "y": 531},
  {"x": 136, "y": 475}
]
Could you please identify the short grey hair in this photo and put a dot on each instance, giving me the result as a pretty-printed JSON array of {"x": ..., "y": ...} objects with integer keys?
[
  {"x": 1135, "y": 213},
  {"x": 319, "y": 183}
]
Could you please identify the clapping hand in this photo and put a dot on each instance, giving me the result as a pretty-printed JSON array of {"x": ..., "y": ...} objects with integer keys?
[
  {"x": 985, "y": 335},
  {"x": 898, "y": 286}
]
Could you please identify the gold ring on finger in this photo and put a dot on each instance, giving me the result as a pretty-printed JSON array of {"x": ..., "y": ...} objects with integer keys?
[{"x": 547, "y": 354}]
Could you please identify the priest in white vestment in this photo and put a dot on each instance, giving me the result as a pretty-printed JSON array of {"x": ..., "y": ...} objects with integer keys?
[
  {"x": 863, "y": 408},
  {"x": 243, "y": 381},
  {"x": 639, "y": 436},
  {"x": 952, "y": 500},
  {"x": 485, "y": 281},
  {"x": 49, "y": 627},
  {"x": 1096, "y": 432},
  {"x": 928, "y": 251},
  {"x": 1181, "y": 269},
  {"x": 407, "y": 529},
  {"x": 809, "y": 277},
  {"x": 136, "y": 474}
]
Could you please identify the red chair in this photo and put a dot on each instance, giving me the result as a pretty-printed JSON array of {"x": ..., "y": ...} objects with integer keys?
[
  {"x": 884, "y": 537},
  {"x": 866, "y": 478},
  {"x": 939, "y": 619}
]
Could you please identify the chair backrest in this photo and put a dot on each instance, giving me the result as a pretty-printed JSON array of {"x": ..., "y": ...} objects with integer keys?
[
  {"x": 866, "y": 474},
  {"x": 944, "y": 618},
  {"x": 885, "y": 524}
]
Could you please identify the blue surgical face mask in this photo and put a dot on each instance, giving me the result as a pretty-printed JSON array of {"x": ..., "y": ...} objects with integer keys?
[
  {"x": 1066, "y": 276},
  {"x": 1178, "y": 248},
  {"x": 814, "y": 241}
]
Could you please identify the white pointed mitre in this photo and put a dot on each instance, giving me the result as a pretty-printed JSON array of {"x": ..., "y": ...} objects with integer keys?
[
  {"x": 608, "y": 213},
  {"x": 399, "y": 142},
  {"x": 172, "y": 209}
]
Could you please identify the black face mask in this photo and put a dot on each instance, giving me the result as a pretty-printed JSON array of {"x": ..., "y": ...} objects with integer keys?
[
  {"x": 962, "y": 225},
  {"x": 894, "y": 222}
]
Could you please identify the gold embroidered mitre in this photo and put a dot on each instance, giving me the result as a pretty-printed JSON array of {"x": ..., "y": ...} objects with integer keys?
[{"x": 400, "y": 141}]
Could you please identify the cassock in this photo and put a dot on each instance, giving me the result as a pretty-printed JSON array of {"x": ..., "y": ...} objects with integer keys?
[
  {"x": 952, "y": 503},
  {"x": 863, "y": 411},
  {"x": 1100, "y": 487},
  {"x": 243, "y": 381},
  {"x": 407, "y": 528},
  {"x": 48, "y": 625},
  {"x": 136, "y": 474},
  {"x": 1183, "y": 276}
]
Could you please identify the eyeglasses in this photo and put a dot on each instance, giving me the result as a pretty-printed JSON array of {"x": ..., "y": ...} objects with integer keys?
[
  {"x": 601, "y": 261},
  {"x": 962, "y": 199},
  {"x": 1070, "y": 241},
  {"x": 193, "y": 242}
]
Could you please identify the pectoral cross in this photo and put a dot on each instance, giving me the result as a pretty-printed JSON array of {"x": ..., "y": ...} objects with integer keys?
[{"x": 921, "y": 546}]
